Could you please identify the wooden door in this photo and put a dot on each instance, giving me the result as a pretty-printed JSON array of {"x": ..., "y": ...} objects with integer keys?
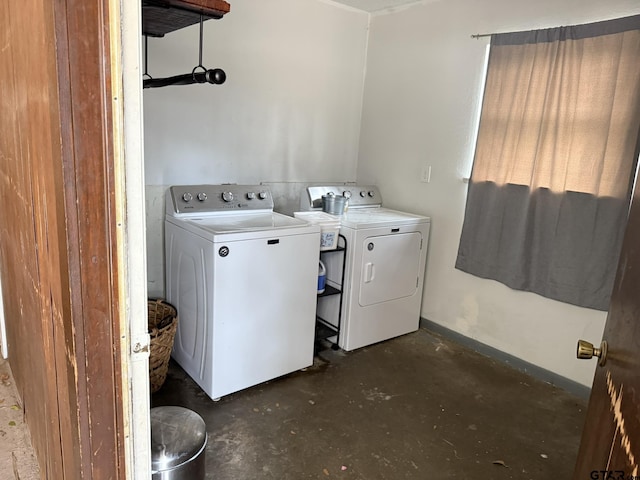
[
  {"x": 60, "y": 232},
  {"x": 610, "y": 446}
]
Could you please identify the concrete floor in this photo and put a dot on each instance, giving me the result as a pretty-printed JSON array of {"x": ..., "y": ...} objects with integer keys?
[
  {"x": 17, "y": 459},
  {"x": 416, "y": 407}
]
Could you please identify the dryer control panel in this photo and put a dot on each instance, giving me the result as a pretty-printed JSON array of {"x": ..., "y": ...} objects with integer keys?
[
  {"x": 358, "y": 195},
  {"x": 200, "y": 199}
]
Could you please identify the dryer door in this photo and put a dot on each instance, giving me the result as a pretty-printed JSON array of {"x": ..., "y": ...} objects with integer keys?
[{"x": 390, "y": 267}]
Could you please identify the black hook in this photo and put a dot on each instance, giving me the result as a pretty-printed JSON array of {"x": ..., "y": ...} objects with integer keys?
[
  {"x": 199, "y": 78},
  {"x": 146, "y": 56}
]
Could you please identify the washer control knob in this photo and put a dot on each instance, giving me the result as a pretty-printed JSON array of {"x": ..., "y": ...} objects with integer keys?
[
  {"x": 227, "y": 196},
  {"x": 371, "y": 193},
  {"x": 187, "y": 197},
  {"x": 251, "y": 195},
  {"x": 363, "y": 193},
  {"x": 202, "y": 196},
  {"x": 262, "y": 195},
  {"x": 346, "y": 194}
]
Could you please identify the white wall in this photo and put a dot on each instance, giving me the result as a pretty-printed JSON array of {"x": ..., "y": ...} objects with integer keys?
[
  {"x": 424, "y": 76},
  {"x": 288, "y": 112}
]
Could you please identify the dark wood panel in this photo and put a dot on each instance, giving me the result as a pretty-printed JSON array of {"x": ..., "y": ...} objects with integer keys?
[
  {"x": 91, "y": 220},
  {"x": 611, "y": 437},
  {"x": 58, "y": 234},
  {"x": 160, "y": 17},
  {"x": 26, "y": 272}
]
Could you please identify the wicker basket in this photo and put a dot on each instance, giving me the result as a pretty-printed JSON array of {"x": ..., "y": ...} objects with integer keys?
[{"x": 163, "y": 321}]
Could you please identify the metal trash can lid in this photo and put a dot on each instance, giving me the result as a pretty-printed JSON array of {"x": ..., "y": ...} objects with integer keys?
[{"x": 177, "y": 435}]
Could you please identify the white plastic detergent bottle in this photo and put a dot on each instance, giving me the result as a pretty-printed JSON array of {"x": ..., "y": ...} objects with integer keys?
[{"x": 322, "y": 277}]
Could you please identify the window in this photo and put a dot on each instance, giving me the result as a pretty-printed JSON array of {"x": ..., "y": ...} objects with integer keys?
[{"x": 555, "y": 160}]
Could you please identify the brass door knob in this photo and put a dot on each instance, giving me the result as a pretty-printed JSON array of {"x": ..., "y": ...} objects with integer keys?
[{"x": 587, "y": 350}]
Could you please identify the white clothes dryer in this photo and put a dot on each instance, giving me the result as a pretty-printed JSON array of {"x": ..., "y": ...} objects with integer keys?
[
  {"x": 243, "y": 279},
  {"x": 385, "y": 266}
]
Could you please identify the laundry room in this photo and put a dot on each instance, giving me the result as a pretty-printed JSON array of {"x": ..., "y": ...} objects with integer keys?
[
  {"x": 312, "y": 177},
  {"x": 322, "y": 92}
]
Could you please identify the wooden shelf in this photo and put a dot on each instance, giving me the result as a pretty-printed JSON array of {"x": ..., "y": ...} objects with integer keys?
[{"x": 160, "y": 17}]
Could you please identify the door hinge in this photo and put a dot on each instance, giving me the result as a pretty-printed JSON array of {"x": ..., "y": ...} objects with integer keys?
[
  {"x": 140, "y": 346},
  {"x": 417, "y": 281},
  {"x": 421, "y": 243}
]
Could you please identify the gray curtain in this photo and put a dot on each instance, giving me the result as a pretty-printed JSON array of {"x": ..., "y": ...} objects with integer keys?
[{"x": 555, "y": 160}]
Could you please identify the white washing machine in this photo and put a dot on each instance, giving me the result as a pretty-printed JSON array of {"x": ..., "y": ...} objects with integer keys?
[
  {"x": 243, "y": 279},
  {"x": 385, "y": 266}
]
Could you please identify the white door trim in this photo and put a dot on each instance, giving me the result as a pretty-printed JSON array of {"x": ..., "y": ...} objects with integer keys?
[{"x": 125, "y": 25}]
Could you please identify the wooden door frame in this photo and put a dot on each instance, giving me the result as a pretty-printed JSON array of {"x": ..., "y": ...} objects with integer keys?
[
  {"x": 98, "y": 60},
  {"x": 94, "y": 229},
  {"x": 63, "y": 259}
]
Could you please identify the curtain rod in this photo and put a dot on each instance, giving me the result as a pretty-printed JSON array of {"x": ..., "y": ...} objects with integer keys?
[{"x": 480, "y": 35}]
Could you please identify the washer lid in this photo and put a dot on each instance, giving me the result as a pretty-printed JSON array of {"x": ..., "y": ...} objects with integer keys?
[
  {"x": 250, "y": 222},
  {"x": 379, "y": 217},
  {"x": 224, "y": 227}
]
